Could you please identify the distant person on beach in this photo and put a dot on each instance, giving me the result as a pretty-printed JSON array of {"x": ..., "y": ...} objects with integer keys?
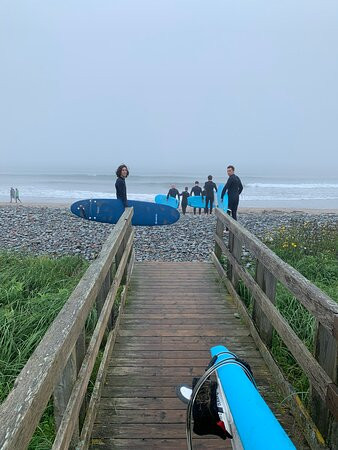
[
  {"x": 209, "y": 188},
  {"x": 173, "y": 192},
  {"x": 12, "y": 194},
  {"x": 17, "y": 196},
  {"x": 196, "y": 190},
  {"x": 184, "y": 202},
  {"x": 120, "y": 185},
  {"x": 234, "y": 187}
]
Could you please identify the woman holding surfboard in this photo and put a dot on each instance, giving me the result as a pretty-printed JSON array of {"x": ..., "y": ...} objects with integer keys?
[{"x": 120, "y": 185}]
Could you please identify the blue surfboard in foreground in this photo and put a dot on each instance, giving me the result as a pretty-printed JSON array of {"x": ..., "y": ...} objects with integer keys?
[
  {"x": 256, "y": 425},
  {"x": 161, "y": 199},
  {"x": 222, "y": 204},
  {"x": 110, "y": 210},
  {"x": 196, "y": 201}
]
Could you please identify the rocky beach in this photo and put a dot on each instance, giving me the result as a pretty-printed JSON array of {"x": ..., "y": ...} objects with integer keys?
[{"x": 54, "y": 231}]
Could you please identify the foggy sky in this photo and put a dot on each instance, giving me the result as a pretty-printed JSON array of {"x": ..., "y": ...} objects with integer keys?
[{"x": 169, "y": 85}]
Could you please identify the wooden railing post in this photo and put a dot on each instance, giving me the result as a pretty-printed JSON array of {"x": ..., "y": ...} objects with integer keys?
[
  {"x": 80, "y": 354},
  {"x": 219, "y": 233},
  {"x": 267, "y": 283},
  {"x": 235, "y": 248},
  {"x": 62, "y": 394},
  {"x": 119, "y": 253},
  {"x": 326, "y": 355},
  {"x": 102, "y": 295}
]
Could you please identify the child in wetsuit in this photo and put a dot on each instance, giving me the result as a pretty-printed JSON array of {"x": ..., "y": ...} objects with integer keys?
[
  {"x": 184, "y": 202},
  {"x": 196, "y": 190}
]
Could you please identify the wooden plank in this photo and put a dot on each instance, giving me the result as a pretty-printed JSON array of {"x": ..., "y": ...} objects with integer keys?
[
  {"x": 136, "y": 404},
  {"x": 170, "y": 362},
  {"x": 314, "y": 300},
  {"x": 133, "y": 380},
  {"x": 65, "y": 430},
  {"x": 21, "y": 411},
  {"x": 155, "y": 362},
  {"x": 203, "y": 353},
  {"x": 148, "y": 416},
  {"x": 155, "y": 444},
  {"x": 183, "y": 341},
  {"x": 217, "y": 315},
  {"x": 183, "y": 332},
  {"x": 141, "y": 325},
  {"x": 142, "y": 431},
  {"x": 148, "y": 317},
  {"x": 186, "y": 371},
  {"x": 181, "y": 296},
  {"x": 238, "y": 346},
  {"x": 145, "y": 322}
]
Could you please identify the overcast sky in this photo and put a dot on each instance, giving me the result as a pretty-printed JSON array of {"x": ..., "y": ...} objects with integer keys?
[{"x": 170, "y": 85}]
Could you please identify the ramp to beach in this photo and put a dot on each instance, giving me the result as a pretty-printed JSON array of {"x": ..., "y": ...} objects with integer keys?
[{"x": 174, "y": 313}]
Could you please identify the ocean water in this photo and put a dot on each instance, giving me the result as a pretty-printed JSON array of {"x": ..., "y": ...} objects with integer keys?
[{"x": 260, "y": 192}]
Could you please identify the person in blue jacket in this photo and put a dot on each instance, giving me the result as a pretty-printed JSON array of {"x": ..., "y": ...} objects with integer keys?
[{"x": 120, "y": 185}]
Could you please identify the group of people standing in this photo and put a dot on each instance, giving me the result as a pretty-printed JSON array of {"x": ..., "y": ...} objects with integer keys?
[
  {"x": 207, "y": 192},
  {"x": 233, "y": 187},
  {"x": 14, "y": 195}
]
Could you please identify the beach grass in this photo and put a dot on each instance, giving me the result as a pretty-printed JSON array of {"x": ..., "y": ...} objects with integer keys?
[
  {"x": 32, "y": 292},
  {"x": 311, "y": 248}
]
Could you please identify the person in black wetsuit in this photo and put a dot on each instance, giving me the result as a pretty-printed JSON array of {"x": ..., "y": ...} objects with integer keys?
[
  {"x": 173, "y": 192},
  {"x": 209, "y": 188},
  {"x": 196, "y": 190},
  {"x": 120, "y": 185},
  {"x": 184, "y": 202},
  {"x": 234, "y": 187}
]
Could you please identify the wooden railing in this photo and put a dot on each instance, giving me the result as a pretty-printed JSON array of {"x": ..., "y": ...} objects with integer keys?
[
  {"x": 61, "y": 366},
  {"x": 320, "y": 368}
]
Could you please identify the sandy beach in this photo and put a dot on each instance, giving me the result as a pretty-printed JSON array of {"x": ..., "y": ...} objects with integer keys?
[{"x": 51, "y": 229}]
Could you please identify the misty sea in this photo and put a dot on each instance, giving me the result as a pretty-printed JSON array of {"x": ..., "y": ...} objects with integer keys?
[{"x": 259, "y": 192}]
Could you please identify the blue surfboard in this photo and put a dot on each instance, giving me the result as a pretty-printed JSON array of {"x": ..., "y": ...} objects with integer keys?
[
  {"x": 196, "y": 201},
  {"x": 161, "y": 199},
  {"x": 257, "y": 427},
  {"x": 222, "y": 204},
  {"x": 110, "y": 210}
]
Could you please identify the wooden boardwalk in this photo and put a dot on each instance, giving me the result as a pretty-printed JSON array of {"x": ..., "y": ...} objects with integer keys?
[{"x": 174, "y": 313}]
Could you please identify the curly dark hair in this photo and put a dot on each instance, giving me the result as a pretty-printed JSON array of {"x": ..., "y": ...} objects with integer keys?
[{"x": 119, "y": 170}]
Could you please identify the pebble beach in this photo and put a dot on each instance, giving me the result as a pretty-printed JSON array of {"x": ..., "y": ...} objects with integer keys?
[{"x": 54, "y": 231}]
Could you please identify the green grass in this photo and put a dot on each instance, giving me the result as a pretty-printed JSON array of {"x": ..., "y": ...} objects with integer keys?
[
  {"x": 32, "y": 292},
  {"x": 311, "y": 249}
]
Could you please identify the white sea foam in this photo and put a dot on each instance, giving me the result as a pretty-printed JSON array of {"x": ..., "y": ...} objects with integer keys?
[
  {"x": 263, "y": 191},
  {"x": 292, "y": 186}
]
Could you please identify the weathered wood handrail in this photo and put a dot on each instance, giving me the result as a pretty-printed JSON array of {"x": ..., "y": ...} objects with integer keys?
[
  {"x": 266, "y": 317},
  {"x": 61, "y": 354}
]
